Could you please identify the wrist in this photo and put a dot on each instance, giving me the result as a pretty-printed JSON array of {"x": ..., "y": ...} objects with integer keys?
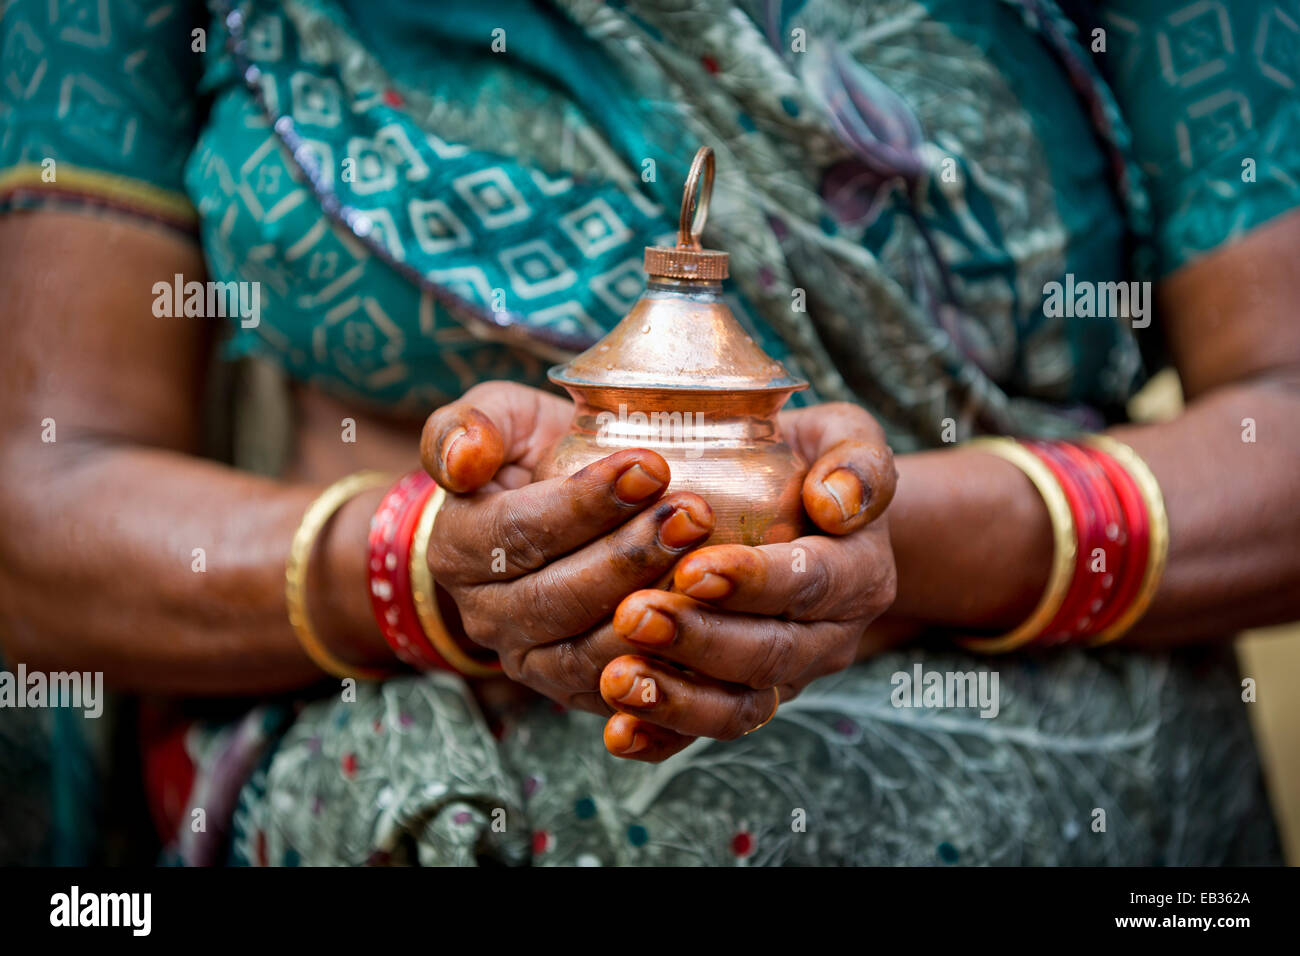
[
  {"x": 340, "y": 586},
  {"x": 972, "y": 541}
]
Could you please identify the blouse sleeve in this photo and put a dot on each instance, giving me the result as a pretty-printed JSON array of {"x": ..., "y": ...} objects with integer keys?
[
  {"x": 1210, "y": 90},
  {"x": 98, "y": 105}
]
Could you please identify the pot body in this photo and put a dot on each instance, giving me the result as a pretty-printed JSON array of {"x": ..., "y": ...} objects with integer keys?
[
  {"x": 680, "y": 376},
  {"x": 724, "y": 446}
]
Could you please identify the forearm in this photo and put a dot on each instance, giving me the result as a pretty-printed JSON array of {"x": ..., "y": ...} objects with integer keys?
[
  {"x": 99, "y": 570},
  {"x": 99, "y": 527},
  {"x": 973, "y": 542},
  {"x": 1234, "y": 509}
]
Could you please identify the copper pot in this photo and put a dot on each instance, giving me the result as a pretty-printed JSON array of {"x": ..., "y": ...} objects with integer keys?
[{"x": 679, "y": 375}]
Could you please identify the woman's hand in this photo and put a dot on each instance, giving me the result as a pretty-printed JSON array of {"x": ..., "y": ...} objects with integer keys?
[
  {"x": 537, "y": 568},
  {"x": 746, "y": 620}
]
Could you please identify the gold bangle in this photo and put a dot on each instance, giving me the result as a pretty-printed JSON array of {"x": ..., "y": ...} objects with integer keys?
[
  {"x": 1158, "y": 547},
  {"x": 776, "y": 703},
  {"x": 425, "y": 595},
  {"x": 1065, "y": 548},
  {"x": 316, "y": 516}
]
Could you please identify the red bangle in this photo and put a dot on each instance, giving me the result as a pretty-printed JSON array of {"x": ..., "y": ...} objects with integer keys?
[
  {"x": 1087, "y": 531},
  {"x": 1138, "y": 537},
  {"x": 428, "y": 656},
  {"x": 1111, "y": 527},
  {"x": 391, "y": 530}
]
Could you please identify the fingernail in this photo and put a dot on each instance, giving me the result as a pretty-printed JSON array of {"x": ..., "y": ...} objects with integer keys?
[
  {"x": 617, "y": 681},
  {"x": 449, "y": 445},
  {"x": 681, "y": 529},
  {"x": 644, "y": 693},
  {"x": 845, "y": 487},
  {"x": 639, "y": 742},
  {"x": 636, "y": 484},
  {"x": 655, "y": 627},
  {"x": 623, "y": 727},
  {"x": 710, "y": 587}
]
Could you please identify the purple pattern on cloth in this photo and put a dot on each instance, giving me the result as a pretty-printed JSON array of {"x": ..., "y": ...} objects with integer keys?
[{"x": 223, "y": 760}]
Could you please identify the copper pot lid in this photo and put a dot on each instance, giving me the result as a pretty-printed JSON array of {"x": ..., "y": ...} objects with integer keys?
[{"x": 680, "y": 334}]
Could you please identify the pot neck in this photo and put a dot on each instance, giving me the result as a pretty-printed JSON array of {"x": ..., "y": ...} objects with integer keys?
[{"x": 683, "y": 286}]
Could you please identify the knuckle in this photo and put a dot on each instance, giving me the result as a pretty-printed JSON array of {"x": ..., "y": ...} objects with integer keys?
[
  {"x": 540, "y": 601},
  {"x": 634, "y": 554},
  {"x": 743, "y": 718},
  {"x": 620, "y": 555},
  {"x": 881, "y": 596},
  {"x": 773, "y": 667},
  {"x": 814, "y": 587},
  {"x": 454, "y": 547},
  {"x": 515, "y": 664},
  {"x": 707, "y": 640},
  {"x": 520, "y": 543},
  {"x": 442, "y": 563},
  {"x": 555, "y": 603},
  {"x": 486, "y": 633},
  {"x": 573, "y": 667}
]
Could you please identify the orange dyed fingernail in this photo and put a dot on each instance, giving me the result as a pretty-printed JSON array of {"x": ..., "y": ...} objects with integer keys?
[
  {"x": 846, "y": 489},
  {"x": 654, "y": 627},
  {"x": 449, "y": 445},
  {"x": 643, "y": 693},
  {"x": 681, "y": 529},
  {"x": 710, "y": 587},
  {"x": 622, "y": 736},
  {"x": 635, "y": 485},
  {"x": 639, "y": 743},
  {"x": 617, "y": 681}
]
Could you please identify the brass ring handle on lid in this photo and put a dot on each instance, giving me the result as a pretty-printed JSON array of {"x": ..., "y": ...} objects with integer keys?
[
  {"x": 695, "y": 211},
  {"x": 689, "y": 260}
]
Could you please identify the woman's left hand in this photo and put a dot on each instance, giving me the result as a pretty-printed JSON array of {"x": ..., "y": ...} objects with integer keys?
[{"x": 742, "y": 624}]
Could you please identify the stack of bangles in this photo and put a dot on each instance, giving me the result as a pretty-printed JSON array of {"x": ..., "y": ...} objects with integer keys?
[
  {"x": 401, "y": 586},
  {"x": 1111, "y": 540}
]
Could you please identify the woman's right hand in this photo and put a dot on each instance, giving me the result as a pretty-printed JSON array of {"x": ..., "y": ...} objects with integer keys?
[{"x": 537, "y": 568}]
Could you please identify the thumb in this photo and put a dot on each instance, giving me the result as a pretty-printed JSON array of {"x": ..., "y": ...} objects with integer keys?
[
  {"x": 464, "y": 444},
  {"x": 849, "y": 486},
  {"x": 852, "y": 479}
]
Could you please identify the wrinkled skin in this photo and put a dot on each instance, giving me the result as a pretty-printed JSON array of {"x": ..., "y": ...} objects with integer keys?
[{"x": 569, "y": 603}]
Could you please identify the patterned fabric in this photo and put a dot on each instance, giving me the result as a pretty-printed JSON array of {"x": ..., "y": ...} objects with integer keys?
[
  {"x": 409, "y": 772},
  {"x": 98, "y": 109},
  {"x": 564, "y": 251},
  {"x": 1210, "y": 91},
  {"x": 415, "y": 753},
  {"x": 897, "y": 182},
  {"x": 223, "y": 756}
]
